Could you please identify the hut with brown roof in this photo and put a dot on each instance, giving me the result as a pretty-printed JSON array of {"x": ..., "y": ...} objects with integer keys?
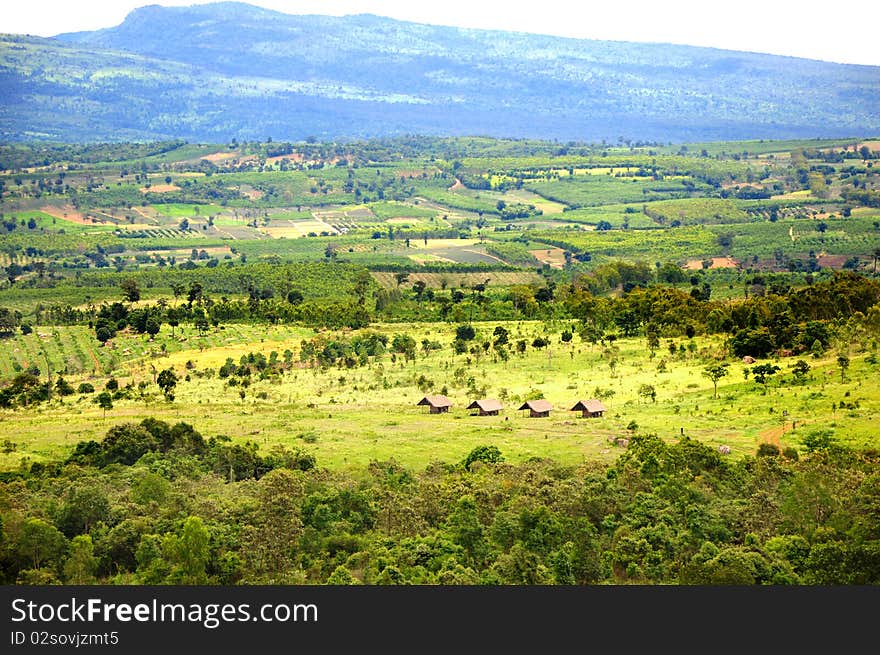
[
  {"x": 589, "y": 408},
  {"x": 486, "y": 407},
  {"x": 438, "y": 404},
  {"x": 537, "y": 408}
]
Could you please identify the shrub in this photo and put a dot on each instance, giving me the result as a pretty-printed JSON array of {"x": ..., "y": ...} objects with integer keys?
[
  {"x": 485, "y": 454},
  {"x": 768, "y": 450}
]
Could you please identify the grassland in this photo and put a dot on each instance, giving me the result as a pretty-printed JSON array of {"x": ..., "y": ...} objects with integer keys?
[
  {"x": 317, "y": 221},
  {"x": 348, "y": 417}
]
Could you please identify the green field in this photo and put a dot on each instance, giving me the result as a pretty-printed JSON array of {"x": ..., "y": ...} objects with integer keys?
[
  {"x": 370, "y": 412},
  {"x": 237, "y": 364}
]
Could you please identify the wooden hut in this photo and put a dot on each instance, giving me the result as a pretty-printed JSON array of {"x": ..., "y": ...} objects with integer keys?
[
  {"x": 486, "y": 407},
  {"x": 438, "y": 404},
  {"x": 537, "y": 408},
  {"x": 589, "y": 408}
]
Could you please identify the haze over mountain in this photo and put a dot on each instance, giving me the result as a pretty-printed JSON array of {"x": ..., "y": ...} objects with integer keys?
[{"x": 230, "y": 70}]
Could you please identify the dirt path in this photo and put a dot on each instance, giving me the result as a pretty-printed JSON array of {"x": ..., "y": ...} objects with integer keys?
[{"x": 774, "y": 435}]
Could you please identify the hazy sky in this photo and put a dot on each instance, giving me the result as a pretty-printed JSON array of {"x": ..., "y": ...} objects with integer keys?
[{"x": 842, "y": 33}]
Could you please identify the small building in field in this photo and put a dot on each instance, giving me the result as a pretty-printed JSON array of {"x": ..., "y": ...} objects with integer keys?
[
  {"x": 537, "y": 408},
  {"x": 437, "y": 404},
  {"x": 589, "y": 408},
  {"x": 486, "y": 407}
]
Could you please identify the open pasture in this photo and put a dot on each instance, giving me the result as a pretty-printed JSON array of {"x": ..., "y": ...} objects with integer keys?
[{"x": 349, "y": 416}]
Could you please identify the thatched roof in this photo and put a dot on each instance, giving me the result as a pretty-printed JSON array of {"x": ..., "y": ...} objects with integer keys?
[
  {"x": 487, "y": 405},
  {"x": 435, "y": 401},
  {"x": 591, "y": 406},
  {"x": 537, "y": 405}
]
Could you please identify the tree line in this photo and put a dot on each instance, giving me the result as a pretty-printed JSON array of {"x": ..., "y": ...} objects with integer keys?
[{"x": 153, "y": 503}]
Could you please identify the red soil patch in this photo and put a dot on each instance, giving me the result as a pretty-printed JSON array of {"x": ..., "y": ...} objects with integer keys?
[
  {"x": 831, "y": 261},
  {"x": 294, "y": 156},
  {"x": 160, "y": 188},
  {"x": 67, "y": 213},
  {"x": 717, "y": 262},
  {"x": 219, "y": 156},
  {"x": 773, "y": 436}
]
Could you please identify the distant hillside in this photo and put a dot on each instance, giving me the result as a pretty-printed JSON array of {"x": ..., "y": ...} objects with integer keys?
[{"x": 229, "y": 70}]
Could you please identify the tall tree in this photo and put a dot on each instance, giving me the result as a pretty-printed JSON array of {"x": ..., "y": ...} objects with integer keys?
[
  {"x": 715, "y": 372},
  {"x": 131, "y": 291}
]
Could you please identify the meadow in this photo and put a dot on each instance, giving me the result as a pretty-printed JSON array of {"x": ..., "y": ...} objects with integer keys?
[{"x": 349, "y": 416}]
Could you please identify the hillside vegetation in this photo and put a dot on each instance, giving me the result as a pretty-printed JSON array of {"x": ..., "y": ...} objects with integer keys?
[
  {"x": 213, "y": 357},
  {"x": 188, "y": 72}
]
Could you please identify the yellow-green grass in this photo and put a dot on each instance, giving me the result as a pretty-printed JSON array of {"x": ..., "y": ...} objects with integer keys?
[
  {"x": 348, "y": 417},
  {"x": 547, "y": 207}
]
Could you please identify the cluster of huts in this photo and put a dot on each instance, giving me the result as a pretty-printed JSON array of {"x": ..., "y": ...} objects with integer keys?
[{"x": 492, "y": 407}]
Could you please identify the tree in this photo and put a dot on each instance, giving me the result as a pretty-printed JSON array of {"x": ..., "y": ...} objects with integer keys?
[
  {"x": 404, "y": 344},
  {"x": 800, "y": 369},
  {"x": 191, "y": 552},
  {"x": 466, "y": 529},
  {"x": 63, "y": 387},
  {"x": 648, "y": 391},
  {"x": 275, "y": 526},
  {"x": 195, "y": 293},
  {"x": 167, "y": 380},
  {"x": 131, "y": 291},
  {"x": 762, "y": 372},
  {"x": 80, "y": 567},
  {"x": 173, "y": 318},
  {"x": 84, "y": 507},
  {"x": 715, "y": 372},
  {"x": 756, "y": 343},
  {"x": 152, "y": 326},
  {"x": 485, "y": 454},
  {"x": 126, "y": 443},
  {"x": 465, "y": 332},
  {"x": 8, "y": 321},
  {"x": 13, "y": 271},
  {"x": 39, "y": 542},
  {"x": 177, "y": 289},
  {"x": 105, "y": 401},
  {"x": 401, "y": 277},
  {"x": 843, "y": 364},
  {"x": 653, "y": 336}
]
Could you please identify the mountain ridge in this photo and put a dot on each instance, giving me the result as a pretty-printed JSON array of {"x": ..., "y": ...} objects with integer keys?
[{"x": 255, "y": 73}]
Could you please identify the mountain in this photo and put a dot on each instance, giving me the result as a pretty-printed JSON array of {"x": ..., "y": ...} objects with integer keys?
[{"x": 230, "y": 70}]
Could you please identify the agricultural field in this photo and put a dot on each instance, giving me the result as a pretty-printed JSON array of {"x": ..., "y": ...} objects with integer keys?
[{"x": 190, "y": 333}]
